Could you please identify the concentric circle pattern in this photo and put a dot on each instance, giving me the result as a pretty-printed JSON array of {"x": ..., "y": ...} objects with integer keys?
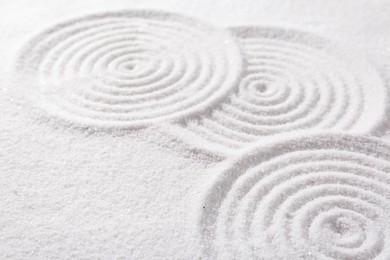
[
  {"x": 317, "y": 196},
  {"x": 130, "y": 68},
  {"x": 292, "y": 81}
]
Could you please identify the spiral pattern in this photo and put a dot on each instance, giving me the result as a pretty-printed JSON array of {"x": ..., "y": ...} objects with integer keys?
[
  {"x": 130, "y": 69},
  {"x": 317, "y": 196},
  {"x": 291, "y": 81}
]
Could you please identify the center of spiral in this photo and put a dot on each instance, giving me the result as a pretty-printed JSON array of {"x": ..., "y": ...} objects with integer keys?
[
  {"x": 261, "y": 88},
  {"x": 129, "y": 67},
  {"x": 344, "y": 231},
  {"x": 340, "y": 227}
]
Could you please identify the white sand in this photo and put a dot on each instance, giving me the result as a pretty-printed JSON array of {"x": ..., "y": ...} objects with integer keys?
[{"x": 150, "y": 135}]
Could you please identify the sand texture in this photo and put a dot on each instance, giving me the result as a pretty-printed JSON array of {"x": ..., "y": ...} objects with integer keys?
[{"x": 195, "y": 129}]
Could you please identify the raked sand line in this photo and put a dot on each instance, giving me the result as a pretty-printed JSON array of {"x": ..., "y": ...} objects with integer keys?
[
  {"x": 129, "y": 69},
  {"x": 291, "y": 81},
  {"x": 316, "y": 196}
]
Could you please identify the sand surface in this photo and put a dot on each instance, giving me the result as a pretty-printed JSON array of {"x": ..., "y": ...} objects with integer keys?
[{"x": 232, "y": 129}]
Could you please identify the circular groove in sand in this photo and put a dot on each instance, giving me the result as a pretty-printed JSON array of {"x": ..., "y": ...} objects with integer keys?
[
  {"x": 130, "y": 68},
  {"x": 291, "y": 81},
  {"x": 319, "y": 196}
]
